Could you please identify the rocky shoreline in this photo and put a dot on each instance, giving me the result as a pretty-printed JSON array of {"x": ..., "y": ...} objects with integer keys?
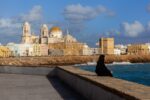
[{"x": 70, "y": 60}]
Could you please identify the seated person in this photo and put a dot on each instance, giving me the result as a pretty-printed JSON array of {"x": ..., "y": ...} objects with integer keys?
[{"x": 101, "y": 69}]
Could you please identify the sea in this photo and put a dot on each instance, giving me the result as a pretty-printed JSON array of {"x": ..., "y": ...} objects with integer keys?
[{"x": 139, "y": 72}]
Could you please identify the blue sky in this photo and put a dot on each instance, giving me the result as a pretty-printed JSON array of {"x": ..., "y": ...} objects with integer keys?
[{"x": 128, "y": 21}]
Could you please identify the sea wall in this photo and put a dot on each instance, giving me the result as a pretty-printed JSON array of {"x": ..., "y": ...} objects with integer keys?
[
  {"x": 32, "y": 70},
  {"x": 88, "y": 84},
  {"x": 70, "y": 60},
  {"x": 93, "y": 87}
]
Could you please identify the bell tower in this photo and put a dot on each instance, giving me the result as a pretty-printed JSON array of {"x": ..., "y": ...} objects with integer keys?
[
  {"x": 44, "y": 34},
  {"x": 26, "y": 34},
  {"x": 44, "y": 31}
]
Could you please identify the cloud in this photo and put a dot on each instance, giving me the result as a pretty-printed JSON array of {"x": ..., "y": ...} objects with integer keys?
[
  {"x": 9, "y": 26},
  {"x": 8, "y": 23},
  {"x": 78, "y": 13},
  {"x": 33, "y": 15},
  {"x": 132, "y": 29},
  {"x": 148, "y": 7},
  {"x": 148, "y": 26},
  {"x": 12, "y": 26}
]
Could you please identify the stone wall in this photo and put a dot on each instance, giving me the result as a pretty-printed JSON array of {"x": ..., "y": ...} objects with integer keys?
[
  {"x": 71, "y": 48},
  {"x": 70, "y": 60},
  {"x": 94, "y": 87},
  {"x": 88, "y": 84}
]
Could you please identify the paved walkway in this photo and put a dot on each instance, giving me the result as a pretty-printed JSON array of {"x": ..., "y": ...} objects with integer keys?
[{"x": 31, "y": 87}]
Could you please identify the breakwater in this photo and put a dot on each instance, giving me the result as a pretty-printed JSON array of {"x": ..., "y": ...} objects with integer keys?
[{"x": 70, "y": 60}]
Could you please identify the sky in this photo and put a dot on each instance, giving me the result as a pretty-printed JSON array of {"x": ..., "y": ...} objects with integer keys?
[{"x": 128, "y": 21}]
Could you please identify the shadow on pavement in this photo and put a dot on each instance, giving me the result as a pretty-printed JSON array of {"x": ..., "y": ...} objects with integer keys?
[{"x": 66, "y": 92}]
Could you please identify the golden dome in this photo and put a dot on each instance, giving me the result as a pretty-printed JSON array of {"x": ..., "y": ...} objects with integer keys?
[{"x": 55, "y": 29}]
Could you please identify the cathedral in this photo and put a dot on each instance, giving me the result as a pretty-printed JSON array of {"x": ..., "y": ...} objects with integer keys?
[
  {"x": 52, "y": 42},
  {"x": 54, "y": 35}
]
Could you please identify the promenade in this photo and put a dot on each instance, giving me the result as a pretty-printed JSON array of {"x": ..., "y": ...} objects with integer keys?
[
  {"x": 34, "y": 87},
  {"x": 44, "y": 83}
]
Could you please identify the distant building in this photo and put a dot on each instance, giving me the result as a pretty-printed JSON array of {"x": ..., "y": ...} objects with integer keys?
[
  {"x": 89, "y": 51},
  {"x": 117, "y": 51},
  {"x": 27, "y": 37},
  {"x": 21, "y": 49},
  {"x": 54, "y": 35},
  {"x": 106, "y": 45},
  {"x": 4, "y": 51},
  {"x": 66, "y": 48},
  {"x": 44, "y": 49},
  {"x": 28, "y": 49},
  {"x": 86, "y": 50},
  {"x": 148, "y": 44},
  {"x": 13, "y": 48},
  {"x": 137, "y": 49},
  {"x": 50, "y": 42},
  {"x": 44, "y": 34},
  {"x": 36, "y": 50},
  {"x": 122, "y": 48}
]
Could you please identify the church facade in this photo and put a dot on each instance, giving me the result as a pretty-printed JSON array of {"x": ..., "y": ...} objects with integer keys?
[
  {"x": 57, "y": 43},
  {"x": 50, "y": 42},
  {"x": 54, "y": 35}
]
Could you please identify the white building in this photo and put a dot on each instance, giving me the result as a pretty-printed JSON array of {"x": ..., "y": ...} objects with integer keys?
[
  {"x": 86, "y": 50},
  {"x": 54, "y": 35},
  {"x": 21, "y": 49},
  {"x": 90, "y": 51},
  {"x": 117, "y": 51},
  {"x": 122, "y": 48},
  {"x": 148, "y": 46},
  {"x": 38, "y": 45}
]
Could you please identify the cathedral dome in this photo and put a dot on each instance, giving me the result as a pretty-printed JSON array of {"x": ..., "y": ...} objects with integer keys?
[
  {"x": 69, "y": 38},
  {"x": 55, "y": 29},
  {"x": 55, "y": 32}
]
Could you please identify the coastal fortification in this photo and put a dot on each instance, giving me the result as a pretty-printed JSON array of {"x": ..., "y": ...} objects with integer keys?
[{"x": 70, "y": 60}]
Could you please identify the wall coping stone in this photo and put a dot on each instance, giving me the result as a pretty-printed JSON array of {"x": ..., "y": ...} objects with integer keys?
[{"x": 122, "y": 88}]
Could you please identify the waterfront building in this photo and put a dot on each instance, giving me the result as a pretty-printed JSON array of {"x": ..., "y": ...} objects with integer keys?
[
  {"x": 27, "y": 37},
  {"x": 122, "y": 48},
  {"x": 36, "y": 50},
  {"x": 63, "y": 45},
  {"x": 148, "y": 44},
  {"x": 106, "y": 45},
  {"x": 117, "y": 51},
  {"x": 4, "y": 51},
  {"x": 24, "y": 49},
  {"x": 44, "y": 34},
  {"x": 55, "y": 52},
  {"x": 54, "y": 35},
  {"x": 137, "y": 49},
  {"x": 20, "y": 49},
  {"x": 49, "y": 42},
  {"x": 66, "y": 48},
  {"x": 13, "y": 48},
  {"x": 95, "y": 51},
  {"x": 44, "y": 49},
  {"x": 87, "y": 50}
]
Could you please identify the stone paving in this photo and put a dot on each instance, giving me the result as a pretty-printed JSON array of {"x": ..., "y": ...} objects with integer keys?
[{"x": 32, "y": 87}]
